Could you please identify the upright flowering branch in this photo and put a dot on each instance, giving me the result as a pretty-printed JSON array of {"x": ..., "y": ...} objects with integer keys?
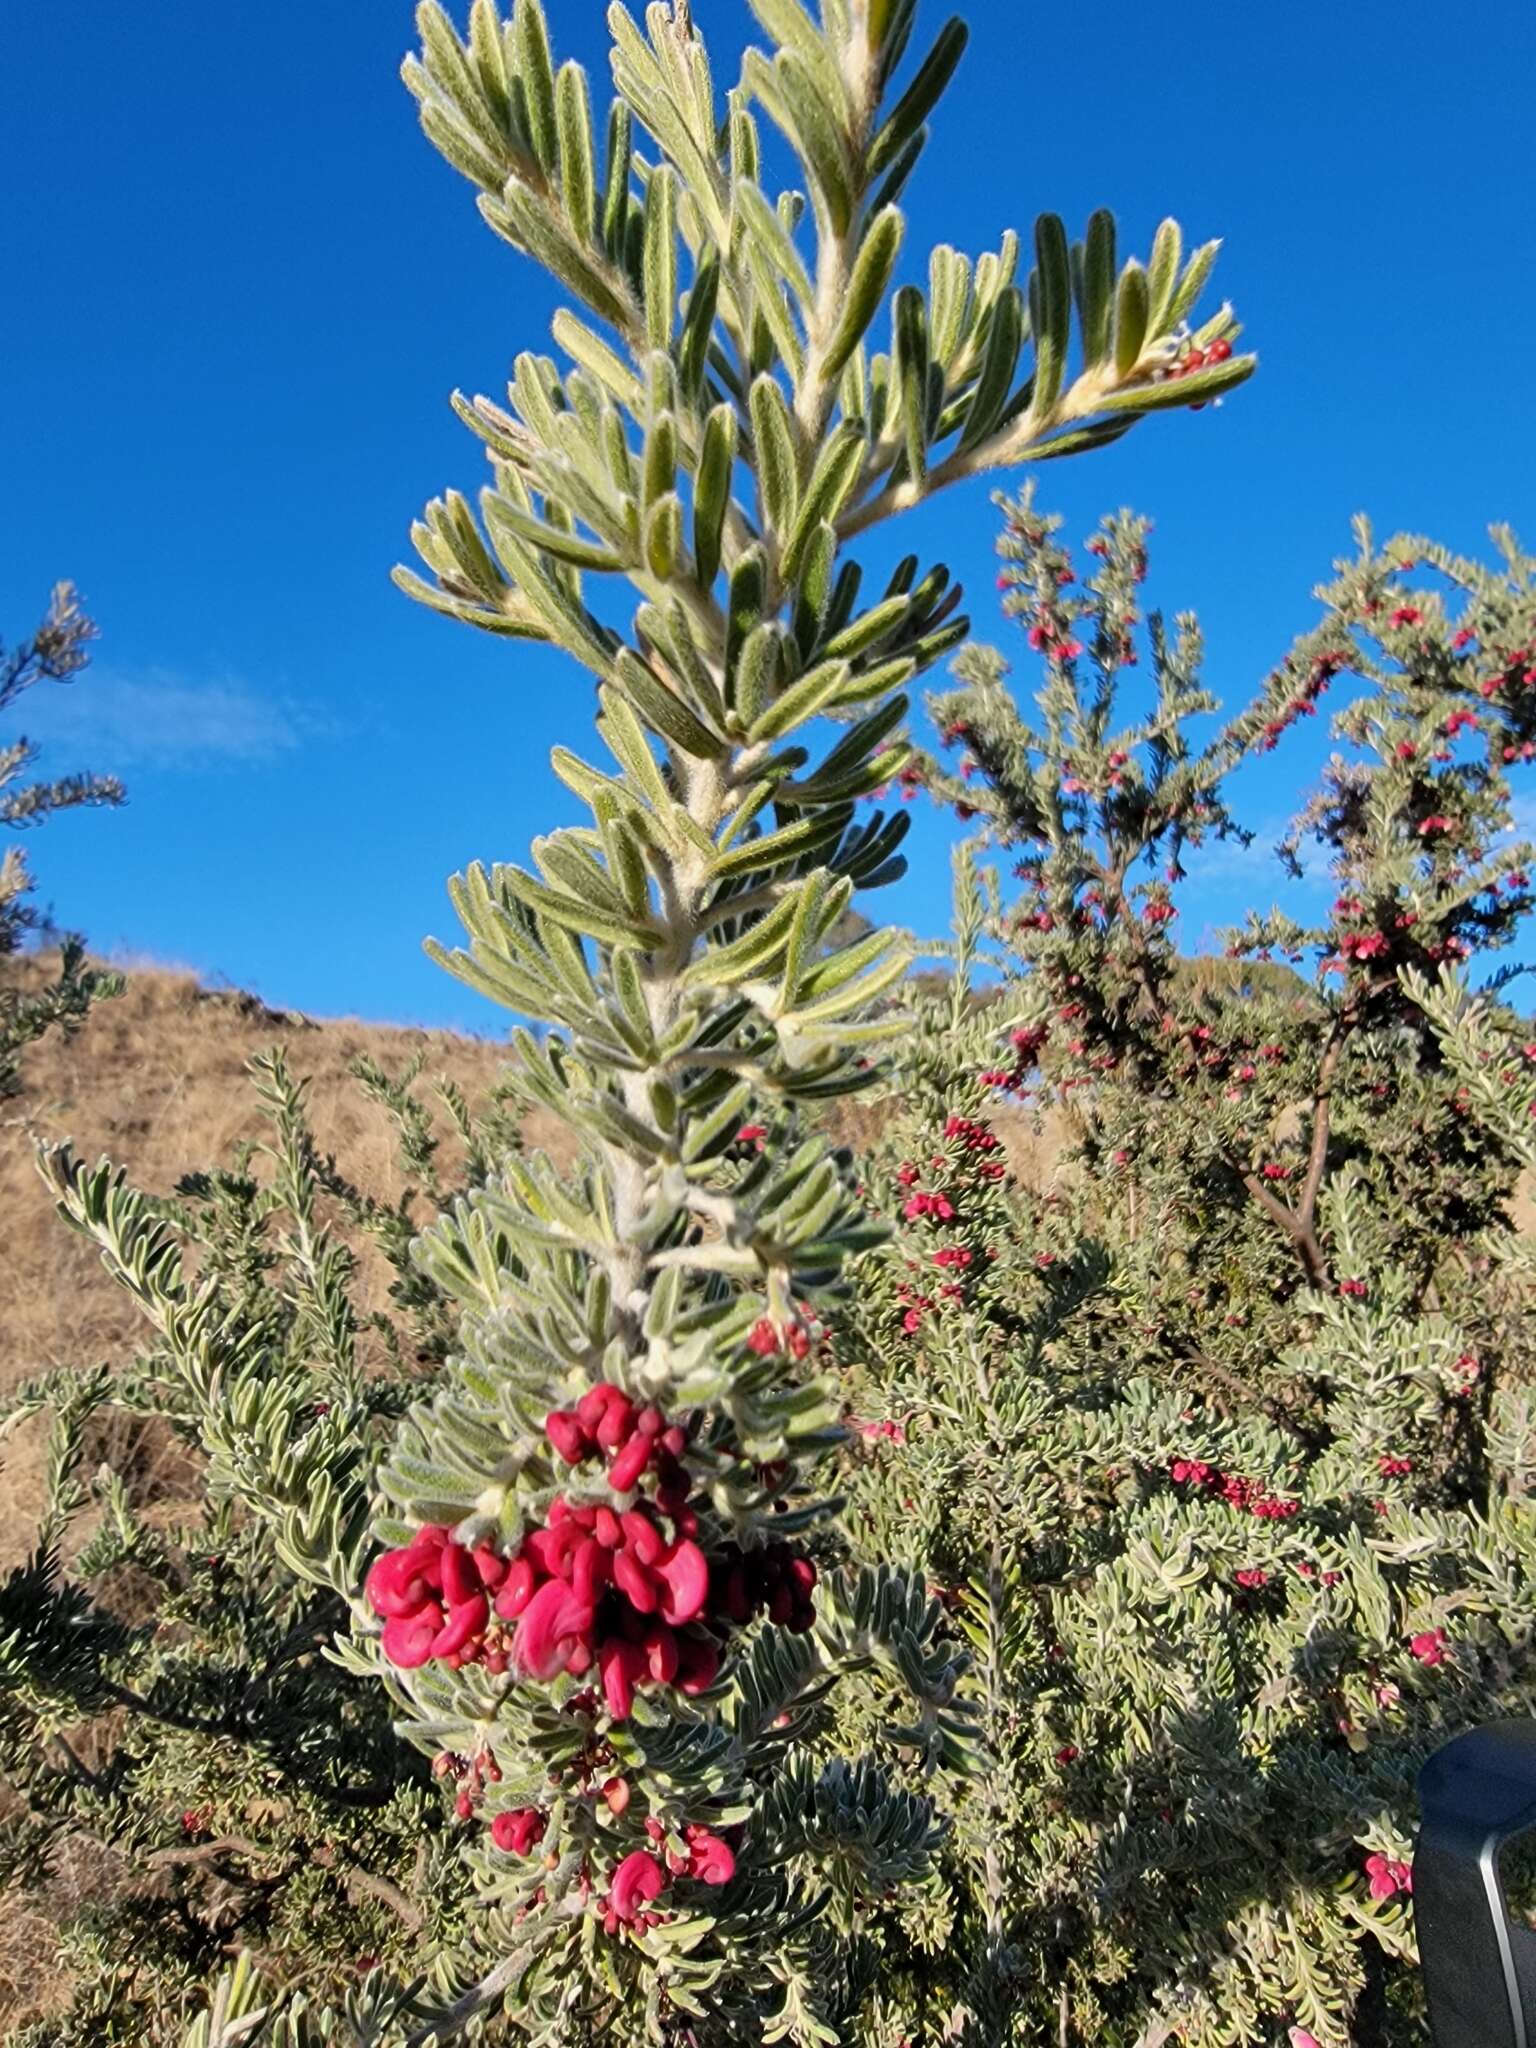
[{"x": 604, "y": 1604}]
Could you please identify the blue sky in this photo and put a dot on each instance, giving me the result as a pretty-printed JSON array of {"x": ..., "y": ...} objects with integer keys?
[{"x": 242, "y": 286}]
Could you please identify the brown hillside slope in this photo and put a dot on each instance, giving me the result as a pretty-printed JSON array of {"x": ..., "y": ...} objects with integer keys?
[{"x": 156, "y": 1079}]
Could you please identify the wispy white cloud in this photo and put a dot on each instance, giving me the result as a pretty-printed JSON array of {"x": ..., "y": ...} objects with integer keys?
[{"x": 166, "y": 721}]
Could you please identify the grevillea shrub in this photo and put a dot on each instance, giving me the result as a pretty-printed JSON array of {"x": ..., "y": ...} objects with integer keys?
[
  {"x": 603, "y": 1598},
  {"x": 1220, "y": 1444}
]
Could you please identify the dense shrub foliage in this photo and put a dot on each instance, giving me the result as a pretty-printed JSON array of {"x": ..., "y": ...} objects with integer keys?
[{"x": 1220, "y": 1446}]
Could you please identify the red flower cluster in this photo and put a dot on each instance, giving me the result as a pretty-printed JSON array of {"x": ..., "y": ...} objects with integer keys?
[
  {"x": 1027, "y": 1043},
  {"x": 606, "y": 1423},
  {"x": 917, "y": 1306},
  {"x": 643, "y": 1876},
  {"x": 1248, "y": 1495},
  {"x": 1392, "y": 1467},
  {"x": 973, "y": 1136},
  {"x": 954, "y": 1255},
  {"x": 1429, "y": 1646},
  {"x": 768, "y": 1340},
  {"x": 1196, "y": 359},
  {"x": 1356, "y": 1290},
  {"x": 520, "y": 1832},
  {"x": 434, "y": 1598},
  {"x": 873, "y": 1432},
  {"x": 1252, "y": 1579},
  {"x": 940, "y": 1207},
  {"x": 1304, "y": 704},
  {"x": 1387, "y": 1877}
]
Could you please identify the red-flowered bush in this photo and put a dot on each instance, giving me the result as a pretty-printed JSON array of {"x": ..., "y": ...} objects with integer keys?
[{"x": 1219, "y": 1438}]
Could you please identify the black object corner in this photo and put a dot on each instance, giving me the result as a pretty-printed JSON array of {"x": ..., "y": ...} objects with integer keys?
[{"x": 1475, "y": 1794}]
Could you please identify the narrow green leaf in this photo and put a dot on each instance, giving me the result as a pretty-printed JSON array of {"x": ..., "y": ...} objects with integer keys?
[
  {"x": 595, "y": 356},
  {"x": 999, "y": 363},
  {"x": 773, "y": 440},
  {"x": 802, "y": 700},
  {"x": 867, "y": 631},
  {"x": 910, "y": 369},
  {"x": 921, "y": 96},
  {"x": 1098, "y": 286},
  {"x": 698, "y": 325},
  {"x": 816, "y": 132},
  {"x": 1050, "y": 310},
  {"x": 658, "y": 466},
  {"x": 1132, "y": 311},
  {"x": 755, "y": 676},
  {"x": 660, "y": 271},
  {"x": 662, "y": 709},
  {"x": 1162, "y": 273},
  {"x": 814, "y": 597},
  {"x": 490, "y": 61},
  {"x": 873, "y": 270},
  {"x": 536, "y": 72},
  {"x": 712, "y": 491},
  {"x": 1197, "y": 388},
  {"x": 503, "y": 517},
  {"x": 832, "y": 482},
  {"x": 664, "y": 536},
  {"x": 748, "y": 599},
  {"x": 616, "y": 196},
  {"x": 578, "y": 171},
  {"x": 1193, "y": 283},
  {"x": 756, "y": 856}
]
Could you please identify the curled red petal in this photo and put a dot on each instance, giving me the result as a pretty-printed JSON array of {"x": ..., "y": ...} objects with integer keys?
[
  {"x": 595, "y": 1402},
  {"x": 552, "y": 1623},
  {"x": 661, "y": 1654},
  {"x": 617, "y": 1422},
  {"x": 628, "y": 1468},
  {"x": 460, "y": 1579},
  {"x": 638, "y": 1879},
  {"x": 591, "y": 1570},
  {"x": 490, "y": 1566},
  {"x": 608, "y": 1529},
  {"x": 407, "y": 1639},
  {"x": 565, "y": 1432},
  {"x": 516, "y": 1589},
  {"x": 395, "y": 1586},
  {"x": 710, "y": 1860},
  {"x": 636, "y": 1583},
  {"x": 642, "y": 1538},
  {"x": 684, "y": 1573},
  {"x": 517, "y": 1832},
  {"x": 466, "y": 1619},
  {"x": 621, "y": 1665}
]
